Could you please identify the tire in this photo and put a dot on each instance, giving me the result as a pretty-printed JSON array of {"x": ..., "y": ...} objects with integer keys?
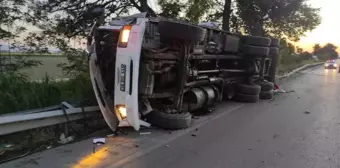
[
  {"x": 169, "y": 121},
  {"x": 273, "y": 51},
  {"x": 182, "y": 31},
  {"x": 246, "y": 98},
  {"x": 256, "y": 41},
  {"x": 266, "y": 86},
  {"x": 248, "y": 89},
  {"x": 275, "y": 42},
  {"x": 255, "y": 50},
  {"x": 265, "y": 95}
]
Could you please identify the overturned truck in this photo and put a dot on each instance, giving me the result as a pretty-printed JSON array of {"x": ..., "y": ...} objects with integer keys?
[{"x": 158, "y": 71}]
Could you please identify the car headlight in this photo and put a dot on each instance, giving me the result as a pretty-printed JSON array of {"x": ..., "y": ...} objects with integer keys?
[{"x": 335, "y": 65}]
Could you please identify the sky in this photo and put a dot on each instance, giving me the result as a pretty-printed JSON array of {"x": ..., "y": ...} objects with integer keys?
[
  {"x": 327, "y": 32},
  {"x": 329, "y": 29}
]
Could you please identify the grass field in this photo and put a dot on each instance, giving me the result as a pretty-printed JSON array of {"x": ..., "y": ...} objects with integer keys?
[{"x": 49, "y": 67}]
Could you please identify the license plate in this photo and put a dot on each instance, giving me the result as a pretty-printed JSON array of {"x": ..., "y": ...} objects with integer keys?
[{"x": 122, "y": 77}]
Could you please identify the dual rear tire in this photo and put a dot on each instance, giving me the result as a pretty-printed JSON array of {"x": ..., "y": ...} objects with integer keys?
[{"x": 251, "y": 93}]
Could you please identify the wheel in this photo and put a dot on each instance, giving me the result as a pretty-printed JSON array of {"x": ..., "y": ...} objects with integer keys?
[
  {"x": 169, "y": 121},
  {"x": 266, "y": 95},
  {"x": 255, "y": 50},
  {"x": 256, "y": 41},
  {"x": 273, "y": 51},
  {"x": 248, "y": 89},
  {"x": 266, "y": 86},
  {"x": 182, "y": 31},
  {"x": 246, "y": 98},
  {"x": 275, "y": 42}
]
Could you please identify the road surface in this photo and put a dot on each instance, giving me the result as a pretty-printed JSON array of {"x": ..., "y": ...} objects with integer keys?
[{"x": 299, "y": 129}]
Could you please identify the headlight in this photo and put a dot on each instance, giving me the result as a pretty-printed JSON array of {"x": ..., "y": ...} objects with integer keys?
[
  {"x": 121, "y": 111},
  {"x": 335, "y": 65}
]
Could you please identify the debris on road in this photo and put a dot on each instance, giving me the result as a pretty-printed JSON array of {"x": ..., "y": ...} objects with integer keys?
[
  {"x": 110, "y": 135},
  {"x": 8, "y": 145},
  {"x": 307, "y": 112},
  {"x": 167, "y": 146},
  {"x": 64, "y": 140},
  {"x": 250, "y": 149},
  {"x": 137, "y": 146},
  {"x": 276, "y": 136},
  {"x": 194, "y": 135},
  {"x": 290, "y": 91},
  {"x": 196, "y": 129},
  {"x": 264, "y": 162},
  {"x": 145, "y": 133},
  {"x": 99, "y": 141},
  {"x": 195, "y": 117}
]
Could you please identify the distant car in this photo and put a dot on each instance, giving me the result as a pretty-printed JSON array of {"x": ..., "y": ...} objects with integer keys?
[{"x": 331, "y": 64}]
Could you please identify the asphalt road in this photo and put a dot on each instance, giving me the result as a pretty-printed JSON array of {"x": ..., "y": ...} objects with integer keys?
[{"x": 299, "y": 129}]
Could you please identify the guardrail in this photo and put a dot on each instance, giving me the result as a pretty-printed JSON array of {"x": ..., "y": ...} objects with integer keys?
[
  {"x": 299, "y": 69},
  {"x": 20, "y": 121}
]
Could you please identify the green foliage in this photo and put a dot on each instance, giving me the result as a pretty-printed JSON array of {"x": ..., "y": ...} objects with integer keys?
[
  {"x": 197, "y": 9},
  {"x": 171, "y": 8},
  {"x": 19, "y": 93},
  {"x": 10, "y": 12},
  {"x": 278, "y": 18},
  {"x": 326, "y": 52}
]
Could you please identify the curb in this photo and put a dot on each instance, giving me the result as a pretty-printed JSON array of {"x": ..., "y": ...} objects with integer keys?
[{"x": 307, "y": 66}]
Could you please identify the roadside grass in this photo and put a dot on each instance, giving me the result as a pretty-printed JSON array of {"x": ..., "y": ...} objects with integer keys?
[
  {"x": 283, "y": 68},
  {"x": 31, "y": 54},
  {"x": 18, "y": 93}
]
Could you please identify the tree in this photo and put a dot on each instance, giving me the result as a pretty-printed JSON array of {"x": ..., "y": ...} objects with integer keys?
[
  {"x": 226, "y": 15},
  {"x": 171, "y": 9},
  {"x": 299, "y": 50},
  {"x": 316, "y": 49},
  {"x": 278, "y": 18},
  {"x": 327, "y": 52}
]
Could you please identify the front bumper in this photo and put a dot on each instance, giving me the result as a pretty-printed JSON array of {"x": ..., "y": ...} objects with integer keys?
[{"x": 330, "y": 67}]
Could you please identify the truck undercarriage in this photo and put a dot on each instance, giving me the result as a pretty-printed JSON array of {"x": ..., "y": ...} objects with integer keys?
[{"x": 161, "y": 71}]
